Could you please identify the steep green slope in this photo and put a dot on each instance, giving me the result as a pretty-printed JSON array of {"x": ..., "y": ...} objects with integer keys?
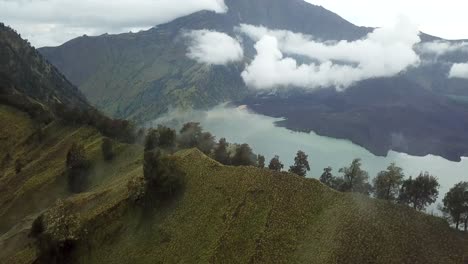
[
  {"x": 139, "y": 76},
  {"x": 225, "y": 214},
  {"x": 24, "y": 195},
  {"x": 23, "y": 70}
]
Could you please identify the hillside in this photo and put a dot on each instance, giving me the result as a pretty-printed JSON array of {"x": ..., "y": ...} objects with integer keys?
[
  {"x": 23, "y": 70},
  {"x": 225, "y": 214},
  {"x": 43, "y": 180}
]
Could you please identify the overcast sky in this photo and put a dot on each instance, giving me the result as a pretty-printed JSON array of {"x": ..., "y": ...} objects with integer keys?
[
  {"x": 447, "y": 19},
  {"x": 52, "y": 22}
]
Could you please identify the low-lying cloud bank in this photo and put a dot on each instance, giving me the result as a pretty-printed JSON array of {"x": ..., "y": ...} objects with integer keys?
[
  {"x": 459, "y": 70},
  {"x": 383, "y": 53},
  {"x": 213, "y": 48},
  {"x": 441, "y": 47},
  {"x": 52, "y": 22}
]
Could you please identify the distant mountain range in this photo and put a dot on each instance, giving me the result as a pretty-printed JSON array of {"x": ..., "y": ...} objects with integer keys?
[{"x": 142, "y": 75}]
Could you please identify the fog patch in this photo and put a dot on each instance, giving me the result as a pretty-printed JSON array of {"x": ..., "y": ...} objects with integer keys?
[
  {"x": 213, "y": 48},
  {"x": 442, "y": 47},
  {"x": 459, "y": 70},
  {"x": 384, "y": 52},
  {"x": 176, "y": 117}
]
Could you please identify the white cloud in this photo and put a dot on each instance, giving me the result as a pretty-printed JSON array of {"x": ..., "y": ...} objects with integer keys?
[
  {"x": 441, "y": 47},
  {"x": 445, "y": 19},
  {"x": 459, "y": 70},
  {"x": 384, "y": 52},
  {"x": 52, "y": 22},
  {"x": 213, "y": 47}
]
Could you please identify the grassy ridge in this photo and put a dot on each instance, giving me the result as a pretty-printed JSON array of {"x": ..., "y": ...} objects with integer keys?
[
  {"x": 225, "y": 214},
  {"x": 43, "y": 180},
  {"x": 244, "y": 215}
]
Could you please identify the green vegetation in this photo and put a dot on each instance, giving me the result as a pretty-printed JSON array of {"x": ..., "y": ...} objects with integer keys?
[
  {"x": 107, "y": 148},
  {"x": 327, "y": 177},
  {"x": 301, "y": 164},
  {"x": 244, "y": 213},
  {"x": 387, "y": 183},
  {"x": 456, "y": 205},
  {"x": 419, "y": 192},
  {"x": 192, "y": 136},
  {"x": 244, "y": 156},
  {"x": 162, "y": 178},
  {"x": 77, "y": 168},
  {"x": 275, "y": 164},
  {"x": 261, "y": 161},
  {"x": 220, "y": 152}
]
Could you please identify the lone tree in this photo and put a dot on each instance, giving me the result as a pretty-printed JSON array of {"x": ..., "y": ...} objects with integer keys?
[
  {"x": 327, "y": 177},
  {"x": 151, "y": 140},
  {"x": 163, "y": 178},
  {"x": 387, "y": 183},
  {"x": 456, "y": 204},
  {"x": 355, "y": 179},
  {"x": 77, "y": 167},
  {"x": 206, "y": 143},
  {"x": 261, "y": 161},
  {"x": 419, "y": 192},
  {"x": 275, "y": 164},
  {"x": 107, "y": 148},
  {"x": 301, "y": 165},
  {"x": 192, "y": 136},
  {"x": 220, "y": 153},
  {"x": 244, "y": 156},
  {"x": 167, "y": 137}
]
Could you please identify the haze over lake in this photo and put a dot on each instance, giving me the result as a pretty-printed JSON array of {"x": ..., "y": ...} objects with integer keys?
[{"x": 239, "y": 125}]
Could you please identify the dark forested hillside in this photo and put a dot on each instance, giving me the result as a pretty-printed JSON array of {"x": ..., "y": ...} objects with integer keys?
[{"x": 23, "y": 70}]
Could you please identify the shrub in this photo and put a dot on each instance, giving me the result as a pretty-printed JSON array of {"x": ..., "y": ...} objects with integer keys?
[
  {"x": 37, "y": 227},
  {"x": 107, "y": 148},
  {"x": 136, "y": 190},
  {"x": 190, "y": 135},
  {"x": 163, "y": 178},
  {"x": 57, "y": 233},
  {"x": 244, "y": 156},
  {"x": 261, "y": 161},
  {"x": 167, "y": 137},
  {"x": 275, "y": 164},
  {"x": 19, "y": 165},
  {"x": 77, "y": 168},
  {"x": 151, "y": 140},
  {"x": 220, "y": 152}
]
